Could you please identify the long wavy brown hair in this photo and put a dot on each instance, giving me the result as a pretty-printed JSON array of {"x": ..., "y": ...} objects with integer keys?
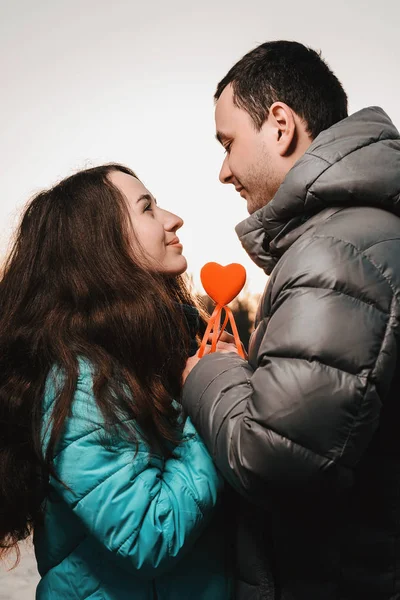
[{"x": 72, "y": 287}]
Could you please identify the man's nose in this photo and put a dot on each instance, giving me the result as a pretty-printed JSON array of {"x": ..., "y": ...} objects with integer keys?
[{"x": 225, "y": 174}]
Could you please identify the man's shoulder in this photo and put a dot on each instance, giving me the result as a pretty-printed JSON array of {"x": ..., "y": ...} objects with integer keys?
[
  {"x": 359, "y": 226},
  {"x": 353, "y": 249}
]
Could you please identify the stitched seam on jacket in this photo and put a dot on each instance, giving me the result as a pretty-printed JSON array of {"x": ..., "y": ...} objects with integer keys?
[
  {"x": 386, "y": 333},
  {"x": 336, "y": 162},
  {"x": 361, "y": 147},
  {"x": 264, "y": 354},
  {"x": 227, "y": 417},
  {"x": 308, "y": 188},
  {"x": 361, "y": 252},
  {"x": 74, "y": 505},
  {"x": 329, "y": 367},
  {"x": 372, "y": 372},
  {"x": 197, "y": 503},
  {"x": 396, "y": 239},
  {"x": 355, "y": 418},
  {"x": 317, "y": 287},
  {"x": 297, "y": 444},
  {"x": 148, "y": 488},
  {"x": 216, "y": 377},
  {"x": 67, "y": 556},
  {"x": 319, "y": 158},
  {"x": 174, "y": 476},
  {"x": 167, "y": 526},
  {"x": 360, "y": 404},
  {"x": 81, "y": 437},
  {"x": 99, "y": 586}
]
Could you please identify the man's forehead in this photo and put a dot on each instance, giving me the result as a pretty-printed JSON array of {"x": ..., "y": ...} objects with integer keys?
[
  {"x": 224, "y": 114},
  {"x": 230, "y": 118},
  {"x": 225, "y": 101}
]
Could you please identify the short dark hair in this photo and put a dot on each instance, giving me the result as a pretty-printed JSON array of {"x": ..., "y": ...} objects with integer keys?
[{"x": 287, "y": 72}]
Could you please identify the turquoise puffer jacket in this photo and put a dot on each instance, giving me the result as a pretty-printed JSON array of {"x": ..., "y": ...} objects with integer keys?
[{"x": 129, "y": 527}]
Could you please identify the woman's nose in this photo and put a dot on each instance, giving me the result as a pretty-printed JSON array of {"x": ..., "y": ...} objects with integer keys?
[{"x": 173, "y": 222}]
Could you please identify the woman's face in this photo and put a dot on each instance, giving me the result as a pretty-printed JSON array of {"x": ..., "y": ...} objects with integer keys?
[{"x": 155, "y": 228}]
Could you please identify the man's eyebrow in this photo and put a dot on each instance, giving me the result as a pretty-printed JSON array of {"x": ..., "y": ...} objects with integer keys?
[{"x": 221, "y": 137}]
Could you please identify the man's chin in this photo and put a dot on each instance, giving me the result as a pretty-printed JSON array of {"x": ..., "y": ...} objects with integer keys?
[
  {"x": 251, "y": 207},
  {"x": 254, "y": 205}
]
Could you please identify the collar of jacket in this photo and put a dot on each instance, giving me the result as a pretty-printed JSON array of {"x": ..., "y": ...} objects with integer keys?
[{"x": 356, "y": 162}]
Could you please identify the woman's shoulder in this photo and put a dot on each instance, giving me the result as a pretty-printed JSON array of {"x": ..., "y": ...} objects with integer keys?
[
  {"x": 84, "y": 415},
  {"x": 55, "y": 381}
]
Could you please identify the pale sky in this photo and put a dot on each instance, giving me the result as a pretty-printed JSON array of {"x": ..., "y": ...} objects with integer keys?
[{"x": 86, "y": 82}]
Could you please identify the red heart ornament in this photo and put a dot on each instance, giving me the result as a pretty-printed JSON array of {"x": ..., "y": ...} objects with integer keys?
[{"x": 222, "y": 284}]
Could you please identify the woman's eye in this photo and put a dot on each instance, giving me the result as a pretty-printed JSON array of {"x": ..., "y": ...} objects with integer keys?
[{"x": 148, "y": 207}]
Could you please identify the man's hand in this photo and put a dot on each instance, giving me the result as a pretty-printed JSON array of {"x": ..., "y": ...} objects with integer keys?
[{"x": 192, "y": 361}]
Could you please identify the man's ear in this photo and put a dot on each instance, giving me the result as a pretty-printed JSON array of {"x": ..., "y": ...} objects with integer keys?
[{"x": 282, "y": 121}]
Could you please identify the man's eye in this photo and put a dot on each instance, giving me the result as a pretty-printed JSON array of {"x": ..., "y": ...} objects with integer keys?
[
  {"x": 227, "y": 147},
  {"x": 148, "y": 207}
]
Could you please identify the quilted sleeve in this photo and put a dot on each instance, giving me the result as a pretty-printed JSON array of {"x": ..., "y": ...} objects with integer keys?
[
  {"x": 302, "y": 416},
  {"x": 145, "y": 510}
]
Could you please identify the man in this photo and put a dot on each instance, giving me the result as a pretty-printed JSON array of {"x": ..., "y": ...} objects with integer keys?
[{"x": 308, "y": 430}]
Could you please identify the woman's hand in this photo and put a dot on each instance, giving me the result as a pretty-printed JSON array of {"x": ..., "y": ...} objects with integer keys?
[{"x": 228, "y": 337}]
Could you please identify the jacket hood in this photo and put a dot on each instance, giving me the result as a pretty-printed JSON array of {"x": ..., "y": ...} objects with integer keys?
[{"x": 356, "y": 162}]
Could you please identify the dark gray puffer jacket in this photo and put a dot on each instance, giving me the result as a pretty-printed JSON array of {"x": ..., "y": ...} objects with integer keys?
[{"x": 308, "y": 431}]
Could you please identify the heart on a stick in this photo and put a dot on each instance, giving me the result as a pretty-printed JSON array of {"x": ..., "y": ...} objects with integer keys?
[{"x": 222, "y": 284}]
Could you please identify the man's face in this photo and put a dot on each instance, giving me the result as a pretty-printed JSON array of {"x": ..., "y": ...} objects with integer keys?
[{"x": 252, "y": 163}]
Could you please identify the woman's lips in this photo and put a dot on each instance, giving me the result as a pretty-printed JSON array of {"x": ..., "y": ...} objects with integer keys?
[{"x": 175, "y": 242}]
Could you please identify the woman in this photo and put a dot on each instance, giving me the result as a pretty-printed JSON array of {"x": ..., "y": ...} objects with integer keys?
[{"x": 96, "y": 458}]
